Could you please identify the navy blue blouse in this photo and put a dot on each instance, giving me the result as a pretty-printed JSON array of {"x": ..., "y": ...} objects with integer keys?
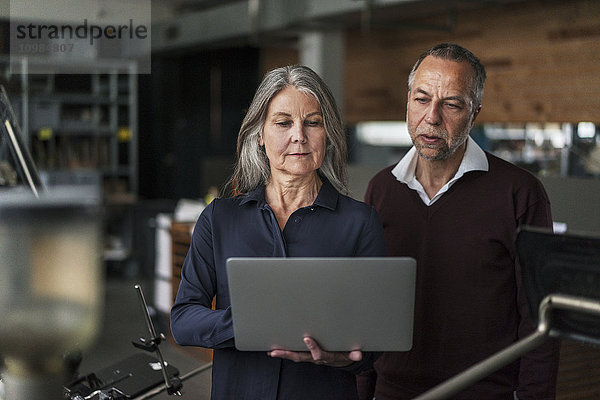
[{"x": 245, "y": 226}]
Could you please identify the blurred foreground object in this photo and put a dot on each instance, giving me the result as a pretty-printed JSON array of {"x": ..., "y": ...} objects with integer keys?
[
  {"x": 50, "y": 291},
  {"x": 11, "y": 137},
  {"x": 560, "y": 275}
]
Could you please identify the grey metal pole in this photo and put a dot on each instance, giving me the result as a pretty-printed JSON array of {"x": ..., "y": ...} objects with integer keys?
[
  {"x": 162, "y": 388},
  {"x": 150, "y": 325}
]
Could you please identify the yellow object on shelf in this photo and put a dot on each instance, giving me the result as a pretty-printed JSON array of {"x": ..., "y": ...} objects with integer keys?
[
  {"x": 124, "y": 134},
  {"x": 45, "y": 134}
]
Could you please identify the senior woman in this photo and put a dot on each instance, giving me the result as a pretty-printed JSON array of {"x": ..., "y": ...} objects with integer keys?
[{"x": 289, "y": 179}]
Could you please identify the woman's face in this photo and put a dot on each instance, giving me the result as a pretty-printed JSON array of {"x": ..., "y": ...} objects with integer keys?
[{"x": 294, "y": 134}]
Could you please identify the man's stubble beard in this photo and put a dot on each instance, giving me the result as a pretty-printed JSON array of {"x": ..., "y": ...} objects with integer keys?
[{"x": 444, "y": 150}]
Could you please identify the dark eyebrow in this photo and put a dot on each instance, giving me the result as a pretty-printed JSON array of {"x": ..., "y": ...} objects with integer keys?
[{"x": 455, "y": 98}]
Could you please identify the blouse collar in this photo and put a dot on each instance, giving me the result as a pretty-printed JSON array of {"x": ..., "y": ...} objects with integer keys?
[{"x": 327, "y": 197}]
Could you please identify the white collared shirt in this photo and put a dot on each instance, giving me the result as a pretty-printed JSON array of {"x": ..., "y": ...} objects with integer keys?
[{"x": 474, "y": 159}]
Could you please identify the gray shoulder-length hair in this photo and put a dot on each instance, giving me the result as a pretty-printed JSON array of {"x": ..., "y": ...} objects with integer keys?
[{"x": 252, "y": 165}]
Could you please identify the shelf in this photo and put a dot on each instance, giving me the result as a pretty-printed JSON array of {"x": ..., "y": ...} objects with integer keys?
[
  {"x": 80, "y": 98},
  {"x": 116, "y": 254},
  {"x": 76, "y": 120},
  {"x": 83, "y": 130}
]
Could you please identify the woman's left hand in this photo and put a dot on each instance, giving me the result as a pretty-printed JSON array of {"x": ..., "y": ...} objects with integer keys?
[{"x": 316, "y": 355}]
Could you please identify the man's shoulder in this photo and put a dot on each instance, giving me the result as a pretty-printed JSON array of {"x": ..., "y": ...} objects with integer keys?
[
  {"x": 510, "y": 177},
  {"x": 507, "y": 169},
  {"x": 382, "y": 185},
  {"x": 384, "y": 176}
]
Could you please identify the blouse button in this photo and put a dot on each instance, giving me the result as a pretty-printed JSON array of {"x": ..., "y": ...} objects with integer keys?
[{"x": 297, "y": 219}]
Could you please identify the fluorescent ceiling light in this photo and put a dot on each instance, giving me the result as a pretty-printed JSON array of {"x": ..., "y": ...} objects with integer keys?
[
  {"x": 586, "y": 130},
  {"x": 383, "y": 133}
]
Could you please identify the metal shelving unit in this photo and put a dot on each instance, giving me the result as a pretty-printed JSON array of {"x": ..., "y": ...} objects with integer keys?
[{"x": 80, "y": 116}]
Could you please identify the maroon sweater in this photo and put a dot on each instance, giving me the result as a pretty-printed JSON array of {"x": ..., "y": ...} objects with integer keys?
[{"x": 469, "y": 301}]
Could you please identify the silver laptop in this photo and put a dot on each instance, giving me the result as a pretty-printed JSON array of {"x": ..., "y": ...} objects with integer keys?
[{"x": 343, "y": 303}]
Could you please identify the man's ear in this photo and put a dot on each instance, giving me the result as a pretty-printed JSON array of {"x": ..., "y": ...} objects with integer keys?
[{"x": 476, "y": 113}]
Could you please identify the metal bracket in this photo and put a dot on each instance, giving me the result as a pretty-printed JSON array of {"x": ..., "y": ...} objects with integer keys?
[{"x": 173, "y": 384}]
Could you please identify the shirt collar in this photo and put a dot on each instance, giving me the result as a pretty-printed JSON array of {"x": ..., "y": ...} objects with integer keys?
[
  {"x": 474, "y": 159},
  {"x": 327, "y": 197},
  {"x": 257, "y": 195}
]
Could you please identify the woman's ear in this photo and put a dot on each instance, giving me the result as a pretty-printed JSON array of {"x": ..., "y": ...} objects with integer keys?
[{"x": 260, "y": 140}]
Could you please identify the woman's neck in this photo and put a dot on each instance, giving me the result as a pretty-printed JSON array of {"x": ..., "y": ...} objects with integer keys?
[{"x": 285, "y": 196}]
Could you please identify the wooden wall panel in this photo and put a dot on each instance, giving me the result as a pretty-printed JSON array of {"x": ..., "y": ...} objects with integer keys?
[
  {"x": 273, "y": 57},
  {"x": 578, "y": 372},
  {"x": 542, "y": 60},
  {"x": 181, "y": 235}
]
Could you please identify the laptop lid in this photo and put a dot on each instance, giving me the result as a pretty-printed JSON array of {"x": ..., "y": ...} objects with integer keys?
[{"x": 343, "y": 303}]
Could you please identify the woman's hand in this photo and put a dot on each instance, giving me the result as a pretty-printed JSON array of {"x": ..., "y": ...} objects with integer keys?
[{"x": 318, "y": 356}]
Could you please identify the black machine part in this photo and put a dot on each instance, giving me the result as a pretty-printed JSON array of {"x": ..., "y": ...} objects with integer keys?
[
  {"x": 134, "y": 376},
  {"x": 126, "y": 379}
]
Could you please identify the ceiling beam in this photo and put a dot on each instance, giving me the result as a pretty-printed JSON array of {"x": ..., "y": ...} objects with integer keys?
[{"x": 234, "y": 20}]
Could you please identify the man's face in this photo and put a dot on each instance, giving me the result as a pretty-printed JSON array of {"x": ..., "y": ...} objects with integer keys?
[{"x": 439, "y": 111}]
